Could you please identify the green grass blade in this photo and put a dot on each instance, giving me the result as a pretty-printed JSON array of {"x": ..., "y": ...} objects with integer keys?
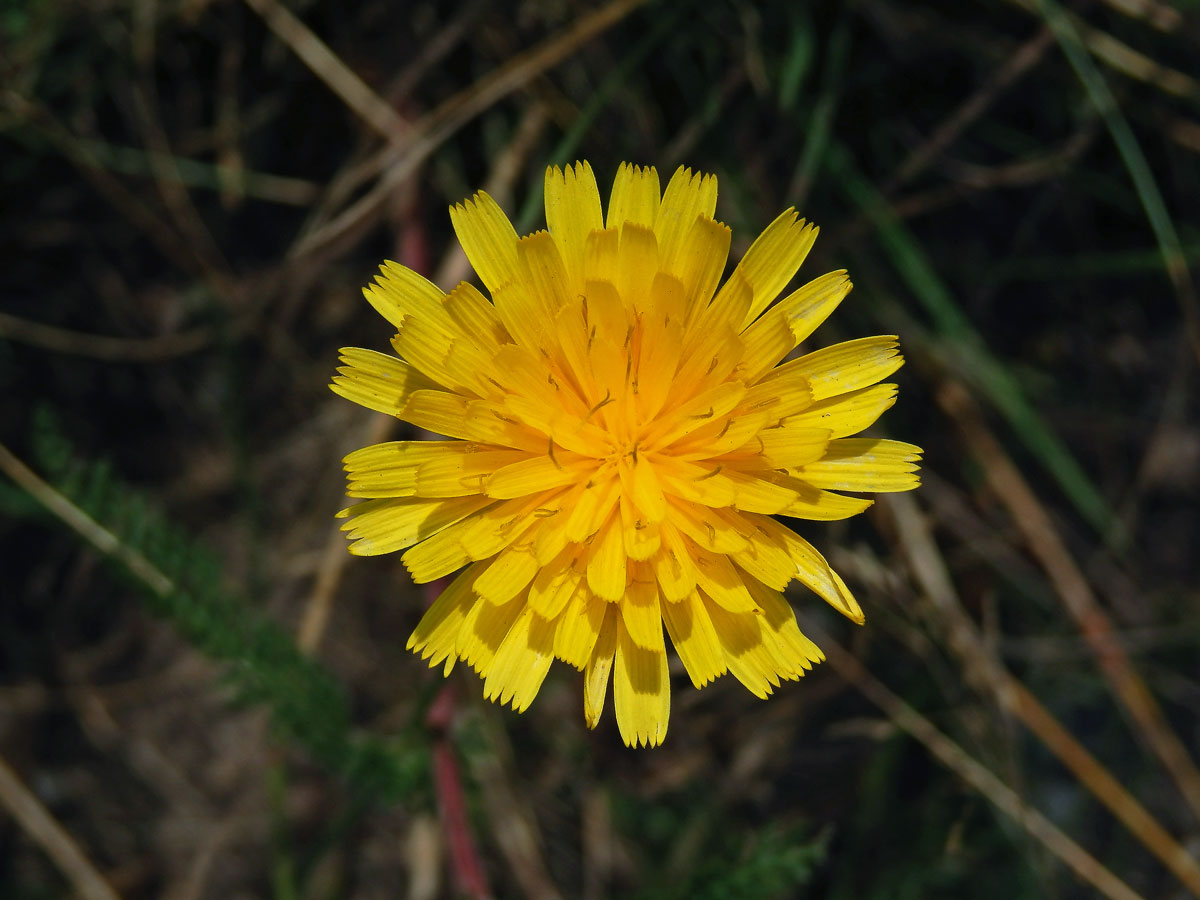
[{"x": 968, "y": 350}]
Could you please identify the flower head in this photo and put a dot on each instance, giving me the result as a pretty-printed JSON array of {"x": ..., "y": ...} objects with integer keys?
[{"x": 622, "y": 432}]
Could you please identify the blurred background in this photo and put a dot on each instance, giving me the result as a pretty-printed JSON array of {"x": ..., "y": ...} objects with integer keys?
[{"x": 203, "y": 696}]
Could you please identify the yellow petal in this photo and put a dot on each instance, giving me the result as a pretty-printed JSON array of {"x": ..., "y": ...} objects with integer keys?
[
  {"x": 599, "y": 665},
  {"x": 696, "y": 484},
  {"x": 635, "y": 197},
  {"x": 509, "y": 574},
  {"x": 579, "y": 627},
  {"x": 847, "y": 414},
  {"x": 661, "y": 347},
  {"x": 790, "y": 321},
  {"x": 707, "y": 528},
  {"x": 806, "y": 308},
  {"x": 819, "y": 505},
  {"x": 792, "y": 446},
  {"x": 476, "y": 318},
  {"x": 572, "y": 212},
  {"x": 600, "y": 256},
  {"x": 435, "y": 635},
  {"x": 606, "y": 566},
  {"x": 811, "y": 568},
  {"x": 593, "y": 507},
  {"x": 484, "y": 630},
  {"x": 425, "y": 348},
  {"x": 400, "y": 293},
  {"x": 727, "y": 308},
  {"x": 865, "y": 464},
  {"x": 689, "y": 196},
  {"x": 438, "y": 555},
  {"x": 390, "y": 469},
  {"x": 376, "y": 380},
  {"x": 607, "y": 318},
  {"x": 544, "y": 275},
  {"x": 641, "y": 691},
  {"x": 763, "y": 557},
  {"x": 673, "y": 566},
  {"x": 437, "y": 411},
  {"x": 699, "y": 263},
  {"x": 710, "y": 406},
  {"x": 757, "y": 492},
  {"x": 779, "y": 397},
  {"x": 640, "y": 611},
  {"x": 523, "y": 373},
  {"x": 460, "y": 469},
  {"x": 746, "y": 655},
  {"x": 773, "y": 258},
  {"x": 490, "y": 422},
  {"x": 642, "y": 485},
  {"x": 522, "y": 315},
  {"x": 847, "y": 366},
  {"x": 382, "y": 526},
  {"x": 637, "y": 265},
  {"x": 642, "y": 537},
  {"x": 791, "y": 648},
  {"x": 522, "y": 661},
  {"x": 695, "y": 639},
  {"x": 708, "y": 362},
  {"x": 491, "y": 530},
  {"x": 551, "y": 537},
  {"x": 721, "y": 581},
  {"x": 488, "y": 239},
  {"x": 723, "y": 440},
  {"x": 535, "y": 474},
  {"x": 556, "y": 582}
]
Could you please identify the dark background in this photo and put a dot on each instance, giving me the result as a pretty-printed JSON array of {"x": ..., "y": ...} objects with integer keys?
[{"x": 193, "y": 192}]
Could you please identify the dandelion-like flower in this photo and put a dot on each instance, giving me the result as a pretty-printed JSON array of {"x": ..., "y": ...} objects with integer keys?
[{"x": 622, "y": 432}]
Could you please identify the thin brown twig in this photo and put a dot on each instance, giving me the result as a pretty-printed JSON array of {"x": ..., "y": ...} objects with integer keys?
[
  {"x": 983, "y": 669},
  {"x": 103, "y": 347},
  {"x": 976, "y": 181},
  {"x": 333, "y": 560},
  {"x": 354, "y": 173},
  {"x": 173, "y": 190},
  {"x": 1184, "y": 132},
  {"x": 1160, "y": 16},
  {"x": 1022, "y": 61},
  {"x": 328, "y": 67},
  {"x": 87, "y": 527},
  {"x": 398, "y": 162},
  {"x": 1094, "y": 623},
  {"x": 159, "y": 232},
  {"x": 434, "y": 50},
  {"x": 973, "y": 772},
  {"x": 47, "y": 833},
  {"x": 1120, "y": 57}
]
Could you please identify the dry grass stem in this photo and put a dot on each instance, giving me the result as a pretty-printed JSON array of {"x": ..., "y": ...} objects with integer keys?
[
  {"x": 398, "y": 163},
  {"x": 973, "y": 772},
  {"x": 987, "y": 673},
  {"x": 1044, "y": 543},
  {"x": 44, "y": 830},
  {"x": 84, "y": 525},
  {"x": 328, "y": 67},
  {"x": 97, "y": 346}
]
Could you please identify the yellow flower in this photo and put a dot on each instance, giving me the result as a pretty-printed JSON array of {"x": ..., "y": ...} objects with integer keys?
[{"x": 622, "y": 434}]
